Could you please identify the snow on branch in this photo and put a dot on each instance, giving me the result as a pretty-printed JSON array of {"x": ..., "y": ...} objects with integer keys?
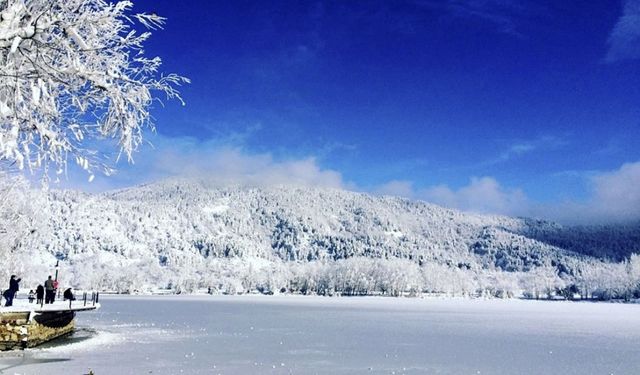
[{"x": 72, "y": 72}]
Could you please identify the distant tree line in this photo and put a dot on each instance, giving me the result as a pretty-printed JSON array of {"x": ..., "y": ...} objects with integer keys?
[{"x": 359, "y": 276}]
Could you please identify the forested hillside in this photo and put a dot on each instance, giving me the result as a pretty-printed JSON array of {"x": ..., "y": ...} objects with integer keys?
[{"x": 186, "y": 234}]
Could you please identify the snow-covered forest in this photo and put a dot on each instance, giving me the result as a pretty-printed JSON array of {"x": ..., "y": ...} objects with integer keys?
[{"x": 184, "y": 235}]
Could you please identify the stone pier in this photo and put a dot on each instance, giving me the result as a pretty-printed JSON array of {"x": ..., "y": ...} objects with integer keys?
[{"x": 26, "y": 329}]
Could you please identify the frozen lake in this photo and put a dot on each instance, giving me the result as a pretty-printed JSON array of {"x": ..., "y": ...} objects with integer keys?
[{"x": 316, "y": 335}]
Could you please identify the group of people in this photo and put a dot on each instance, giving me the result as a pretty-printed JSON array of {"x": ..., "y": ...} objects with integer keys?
[{"x": 46, "y": 292}]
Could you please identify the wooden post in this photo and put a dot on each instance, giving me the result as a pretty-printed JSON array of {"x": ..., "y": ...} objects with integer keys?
[{"x": 85, "y": 298}]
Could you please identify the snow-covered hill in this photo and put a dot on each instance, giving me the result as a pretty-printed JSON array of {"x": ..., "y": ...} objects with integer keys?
[{"x": 186, "y": 234}]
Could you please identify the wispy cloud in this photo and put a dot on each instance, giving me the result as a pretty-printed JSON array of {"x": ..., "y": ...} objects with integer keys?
[
  {"x": 499, "y": 13},
  {"x": 519, "y": 148},
  {"x": 331, "y": 148},
  {"x": 502, "y": 14},
  {"x": 235, "y": 136},
  {"x": 624, "y": 39},
  {"x": 577, "y": 174},
  {"x": 514, "y": 151}
]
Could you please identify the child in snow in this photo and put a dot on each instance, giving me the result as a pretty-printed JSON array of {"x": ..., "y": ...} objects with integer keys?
[{"x": 32, "y": 296}]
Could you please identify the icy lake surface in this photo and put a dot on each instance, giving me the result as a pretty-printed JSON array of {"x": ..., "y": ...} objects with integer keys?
[{"x": 315, "y": 335}]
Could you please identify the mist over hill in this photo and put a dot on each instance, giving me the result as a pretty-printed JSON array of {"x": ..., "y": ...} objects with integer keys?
[{"x": 185, "y": 234}]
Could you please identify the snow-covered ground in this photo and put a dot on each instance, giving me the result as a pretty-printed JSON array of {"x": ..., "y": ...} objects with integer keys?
[
  {"x": 21, "y": 305},
  {"x": 317, "y": 335}
]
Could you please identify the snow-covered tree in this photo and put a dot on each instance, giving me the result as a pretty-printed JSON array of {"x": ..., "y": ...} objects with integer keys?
[
  {"x": 542, "y": 281},
  {"x": 633, "y": 268},
  {"x": 73, "y": 73},
  {"x": 23, "y": 216},
  {"x": 440, "y": 278},
  {"x": 498, "y": 284}
]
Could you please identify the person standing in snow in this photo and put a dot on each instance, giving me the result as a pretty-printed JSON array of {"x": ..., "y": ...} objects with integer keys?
[
  {"x": 50, "y": 291},
  {"x": 39, "y": 294},
  {"x": 68, "y": 295},
  {"x": 13, "y": 289},
  {"x": 55, "y": 289}
]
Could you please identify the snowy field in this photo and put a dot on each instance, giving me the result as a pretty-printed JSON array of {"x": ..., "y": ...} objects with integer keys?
[{"x": 316, "y": 335}]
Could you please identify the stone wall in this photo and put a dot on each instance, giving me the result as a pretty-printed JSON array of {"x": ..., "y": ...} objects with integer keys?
[{"x": 18, "y": 331}]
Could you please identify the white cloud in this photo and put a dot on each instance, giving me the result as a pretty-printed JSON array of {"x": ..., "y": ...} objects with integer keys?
[
  {"x": 620, "y": 189},
  {"x": 615, "y": 196},
  {"x": 210, "y": 160},
  {"x": 624, "y": 40},
  {"x": 396, "y": 187},
  {"x": 483, "y": 195}
]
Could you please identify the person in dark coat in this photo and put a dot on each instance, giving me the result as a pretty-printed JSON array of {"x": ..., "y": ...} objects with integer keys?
[
  {"x": 13, "y": 289},
  {"x": 50, "y": 291},
  {"x": 39, "y": 294},
  {"x": 68, "y": 295}
]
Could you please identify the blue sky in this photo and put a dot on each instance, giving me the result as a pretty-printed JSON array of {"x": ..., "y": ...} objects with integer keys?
[{"x": 513, "y": 107}]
